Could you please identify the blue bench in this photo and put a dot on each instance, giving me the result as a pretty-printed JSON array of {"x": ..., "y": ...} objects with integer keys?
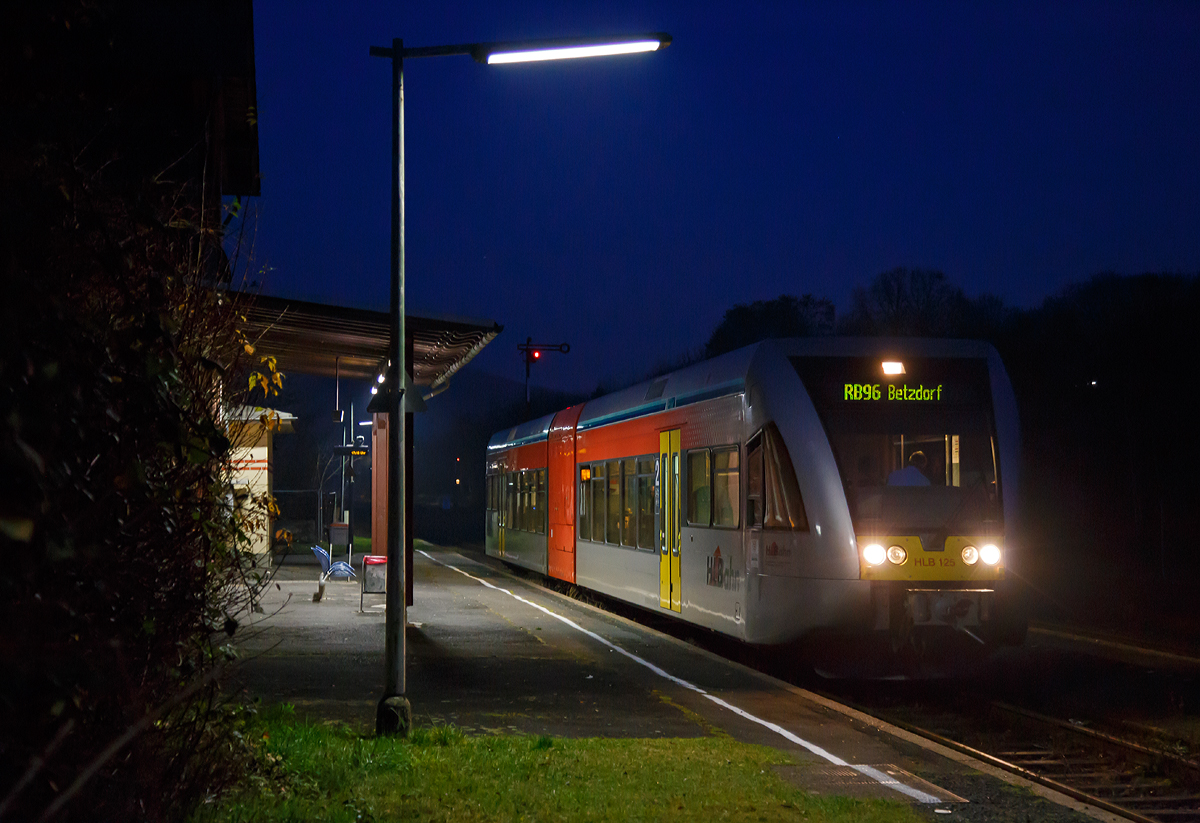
[{"x": 338, "y": 570}]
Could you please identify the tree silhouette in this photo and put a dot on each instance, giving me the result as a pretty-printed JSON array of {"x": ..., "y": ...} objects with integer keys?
[
  {"x": 908, "y": 303},
  {"x": 785, "y": 316}
]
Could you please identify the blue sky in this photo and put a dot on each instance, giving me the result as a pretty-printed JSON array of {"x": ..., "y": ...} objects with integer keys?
[{"x": 623, "y": 204}]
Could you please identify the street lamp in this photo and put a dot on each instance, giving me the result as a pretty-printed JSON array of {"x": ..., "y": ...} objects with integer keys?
[{"x": 394, "y": 713}]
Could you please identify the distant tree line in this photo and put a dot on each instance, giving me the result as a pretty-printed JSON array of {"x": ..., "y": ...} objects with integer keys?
[{"x": 1104, "y": 374}]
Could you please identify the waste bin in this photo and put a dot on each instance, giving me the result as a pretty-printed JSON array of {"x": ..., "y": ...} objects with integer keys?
[
  {"x": 339, "y": 535},
  {"x": 374, "y": 576}
]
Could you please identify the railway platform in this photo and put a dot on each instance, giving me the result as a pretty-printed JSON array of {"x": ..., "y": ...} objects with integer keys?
[{"x": 490, "y": 653}]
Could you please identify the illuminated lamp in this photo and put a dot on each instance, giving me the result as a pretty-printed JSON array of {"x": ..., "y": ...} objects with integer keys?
[
  {"x": 874, "y": 554},
  {"x": 990, "y": 554},
  {"x": 566, "y": 50},
  {"x": 893, "y": 367}
]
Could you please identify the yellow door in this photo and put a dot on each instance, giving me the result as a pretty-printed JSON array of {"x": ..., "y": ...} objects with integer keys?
[{"x": 669, "y": 528}]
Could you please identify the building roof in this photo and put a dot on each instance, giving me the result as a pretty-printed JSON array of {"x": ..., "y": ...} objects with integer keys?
[{"x": 314, "y": 338}]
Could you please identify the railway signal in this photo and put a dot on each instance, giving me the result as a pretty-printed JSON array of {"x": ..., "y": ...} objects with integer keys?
[{"x": 533, "y": 352}]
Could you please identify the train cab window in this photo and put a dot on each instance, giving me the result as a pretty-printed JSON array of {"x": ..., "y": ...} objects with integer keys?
[
  {"x": 754, "y": 482},
  {"x": 598, "y": 508},
  {"x": 585, "y": 502},
  {"x": 628, "y": 503},
  {"x": 540, "y": 503},
  {"x": 614, "y": 501},
  {"x": 646, "y": 469},
  {"x": 699, "y": 480},
  {"x": 726, "y": 488},
  {"x": 917, "y": 453},
  {"x": 783, "y": 507}
]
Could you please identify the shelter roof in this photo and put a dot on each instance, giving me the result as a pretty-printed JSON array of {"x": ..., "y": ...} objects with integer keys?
[{"x": 315, "y": 338}]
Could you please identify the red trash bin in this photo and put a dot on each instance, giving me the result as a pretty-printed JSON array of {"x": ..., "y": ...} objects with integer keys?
[{"x": 374, "y": 576}]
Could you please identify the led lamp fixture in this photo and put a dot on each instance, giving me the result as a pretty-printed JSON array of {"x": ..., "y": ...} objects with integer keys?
[
  {"x": 532, "y": 51},
  {"x": 571, "y": 52}
]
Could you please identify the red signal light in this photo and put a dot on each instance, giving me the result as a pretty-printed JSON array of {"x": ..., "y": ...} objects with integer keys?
[{"x": 536, "y": 354}]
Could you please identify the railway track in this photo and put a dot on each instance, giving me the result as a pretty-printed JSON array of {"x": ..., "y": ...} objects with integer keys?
[
  {"x": 1121, "y": 776},
  {"x": 1139, "y": 780}
]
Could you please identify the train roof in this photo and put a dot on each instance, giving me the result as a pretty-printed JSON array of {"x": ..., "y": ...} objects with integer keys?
[
  {"x": 726, "y": 375},
  {"x": 519, "y": 435}
]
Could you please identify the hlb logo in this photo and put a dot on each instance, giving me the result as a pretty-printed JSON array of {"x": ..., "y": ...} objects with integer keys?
[
  {"x": 721, "y": 575},
  {"x": 716, "y": 569}
]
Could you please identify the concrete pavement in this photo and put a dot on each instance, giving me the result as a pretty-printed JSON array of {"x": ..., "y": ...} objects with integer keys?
[{"x": 488, "y": 653}]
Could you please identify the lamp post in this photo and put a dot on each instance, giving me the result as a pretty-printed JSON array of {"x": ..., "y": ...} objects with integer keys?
[{"x": 394, "y": 714}]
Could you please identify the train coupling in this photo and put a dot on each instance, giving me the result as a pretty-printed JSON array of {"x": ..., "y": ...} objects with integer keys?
[{"x": 962, "y": 609}]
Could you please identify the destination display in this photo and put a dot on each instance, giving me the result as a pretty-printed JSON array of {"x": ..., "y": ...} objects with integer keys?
[
  {"x": 877, "y": 391},
  {"x": 850, "y": 382}
]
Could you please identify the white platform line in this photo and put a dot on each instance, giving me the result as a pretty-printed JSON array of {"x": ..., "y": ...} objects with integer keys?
[{"x": 875, "y": 774}]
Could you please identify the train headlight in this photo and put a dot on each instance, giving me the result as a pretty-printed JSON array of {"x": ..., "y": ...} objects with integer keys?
[
  {"x": 897, "y": 555},
  {"x": 874, "y": 554},
  {"x": 970, "y": 555},
  {"x": 990, "y": 554}
]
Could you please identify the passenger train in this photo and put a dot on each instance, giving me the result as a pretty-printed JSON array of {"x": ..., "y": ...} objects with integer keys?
[{"x": 832, "y": 493}]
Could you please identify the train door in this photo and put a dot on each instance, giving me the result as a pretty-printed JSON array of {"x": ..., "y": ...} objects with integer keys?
[
  {"x": 560, "y": 548},
  {"x": 669, "y": 527},
  {"x": 502, "y": 514}
]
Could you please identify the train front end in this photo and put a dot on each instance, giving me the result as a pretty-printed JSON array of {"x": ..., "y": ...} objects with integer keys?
[{"x": 923, "y": 435}]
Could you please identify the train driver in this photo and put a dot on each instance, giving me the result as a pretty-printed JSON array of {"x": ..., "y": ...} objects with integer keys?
[{"x": 913, "y": 474}]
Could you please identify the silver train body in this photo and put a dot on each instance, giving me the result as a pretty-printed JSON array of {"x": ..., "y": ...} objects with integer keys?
[{"x": 793, "y": 490}]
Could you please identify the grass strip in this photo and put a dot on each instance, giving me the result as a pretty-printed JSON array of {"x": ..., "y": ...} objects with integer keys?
[{"x": 334, "y": 773}]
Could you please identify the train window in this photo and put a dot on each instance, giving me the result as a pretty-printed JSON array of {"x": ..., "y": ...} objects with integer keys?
[
  {"x": 645, "y": 496},
  {"x": 614, "y": 502},
  {"x": 585, "y": 502},
  {"x": 783, "y": 508},
  {"x": 598, "y": 508},
  {"x": 628, "y": 503},
  {"x": 517, "y": 509},
  {"x": 530, "y": 500},
  {"x": 510, "y": 489},
  {"x": 523, "y": 502},
  {"x": 726, "y": 491},
  {"x": 699, "y": 480},
  {"x": 540, "y": 504}
]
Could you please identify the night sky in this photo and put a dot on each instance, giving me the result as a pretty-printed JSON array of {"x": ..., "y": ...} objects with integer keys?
[{"x": 623, "y": 204}]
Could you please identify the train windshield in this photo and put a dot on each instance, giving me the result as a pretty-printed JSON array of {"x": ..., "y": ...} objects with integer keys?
[{"x": 916, "y": 451}]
